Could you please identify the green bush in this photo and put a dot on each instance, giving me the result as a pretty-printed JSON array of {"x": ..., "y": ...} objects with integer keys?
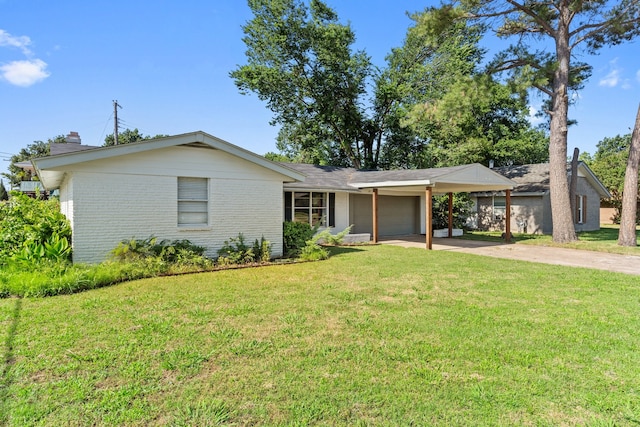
[
  {"x": 161, "y": 256},
  {"x": 235, "y": 251},
  {"x": 295, "y": 237},
  {"x": 31, "y": 222},
  {"x": 461, "y": 210}
]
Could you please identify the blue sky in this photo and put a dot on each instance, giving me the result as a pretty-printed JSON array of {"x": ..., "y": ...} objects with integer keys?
[{"x": 168, "y": 62}]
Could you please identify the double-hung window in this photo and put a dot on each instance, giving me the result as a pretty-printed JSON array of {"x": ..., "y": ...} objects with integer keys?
[
  {"x": 313, "y": 207},
  {"x": 499, "y": 207},
  {"x": 581, "y": 209},
  {"x": 193, "y": 202}
]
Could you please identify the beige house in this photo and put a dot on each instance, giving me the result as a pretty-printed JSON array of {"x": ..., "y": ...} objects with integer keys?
[
  {"x": 200, "y": 188},
  {"x": 530, "y": 202},
  {"x": 192, "y": 186}
]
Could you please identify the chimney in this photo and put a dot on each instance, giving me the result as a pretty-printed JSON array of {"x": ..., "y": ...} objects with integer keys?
[{"x": 72, "y": 138}]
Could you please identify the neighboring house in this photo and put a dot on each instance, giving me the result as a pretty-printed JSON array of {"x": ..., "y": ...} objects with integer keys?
[
  {"x": 197, "y": 187},
  {"x": 531, "y": 204},
  {"x": 192, "y": 186},
  {"x": 34, "y": 188},
  {"x": 337, "y": 197}
]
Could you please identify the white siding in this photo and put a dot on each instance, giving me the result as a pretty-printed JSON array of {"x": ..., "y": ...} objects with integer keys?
[
  {"x": 136, "y": 197},
  {"x": 342, "y": 212}
]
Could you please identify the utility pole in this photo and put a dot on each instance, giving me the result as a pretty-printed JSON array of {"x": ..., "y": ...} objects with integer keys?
[{"x": 115, "y": 121}]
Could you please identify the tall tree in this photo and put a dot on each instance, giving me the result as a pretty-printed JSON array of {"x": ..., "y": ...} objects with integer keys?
[
  {"x": 300, "y": 61},
  {"x": 609, "y": 164},
  {"x": 569, "y": 25},
  {"x": 627, "y": 234},
  {"x": 31, "y": 151},
  {"x": 128, "y": 136},
  {"x": 3, "y": 192}
]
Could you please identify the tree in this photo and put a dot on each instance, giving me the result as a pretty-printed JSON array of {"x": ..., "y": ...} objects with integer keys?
[
  {"x": 300, "y": 62},
  {"x": 128, "y": 136},
  {"x": 476, "y": 121},
  {"x": 627, "y": 234},
  {"x": 609, "y": 164},
  {"x": 3, "y": 192},
  {"x": 31, "y": 151},
  {"x": 569, "y": 25}
]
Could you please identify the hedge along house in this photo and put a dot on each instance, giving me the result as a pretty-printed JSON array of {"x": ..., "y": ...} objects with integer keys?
[
  {"x": 381, "y": 203},
  {"x": 192, "y": 186},
  {"x": 530, "y": 210}
]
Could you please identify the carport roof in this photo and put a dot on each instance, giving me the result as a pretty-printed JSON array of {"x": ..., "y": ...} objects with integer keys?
[{"x": 465, "y": 178}]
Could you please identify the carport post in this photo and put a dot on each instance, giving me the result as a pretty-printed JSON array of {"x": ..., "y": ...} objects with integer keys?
[
  {"x": 375, "y": 214},
  {"x": 507, "y": 217},
  {"x": 428, "y": 217},
  {"x": 450, "y": 215}
]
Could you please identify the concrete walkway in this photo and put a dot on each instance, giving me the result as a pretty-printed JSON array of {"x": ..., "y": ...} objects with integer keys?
[{"x": 628, "y": 264}]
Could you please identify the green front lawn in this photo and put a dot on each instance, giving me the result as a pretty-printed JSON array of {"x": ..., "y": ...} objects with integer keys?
[
  {"x": 378, "y": 335},
  {"x": 603, "y": 240}
]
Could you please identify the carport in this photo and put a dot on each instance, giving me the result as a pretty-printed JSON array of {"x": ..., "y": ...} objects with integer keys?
[{"x": 429, "y": 182}]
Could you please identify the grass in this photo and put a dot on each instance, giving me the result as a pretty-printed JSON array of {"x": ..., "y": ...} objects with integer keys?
[
  {"x": 378, "y": 335},
  {"x": 603, "y": 240}
]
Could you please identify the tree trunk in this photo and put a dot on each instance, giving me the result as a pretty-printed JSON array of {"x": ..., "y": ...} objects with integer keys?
[
  {"x": 573, "y": 185},
  {"x": 561, "y": 215},
  {"x": 627, "y": 235}
]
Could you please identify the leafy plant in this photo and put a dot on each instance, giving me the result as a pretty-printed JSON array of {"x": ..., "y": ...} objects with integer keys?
[
  {"x": 23, "y": 219},
  {"x": 461, "y": 210},
  {"x": 236, "y": 251},
  {"x": 326, "y": 238},
  {"x": 166, "y": 255},
  {"x": 295, "y": 236}
]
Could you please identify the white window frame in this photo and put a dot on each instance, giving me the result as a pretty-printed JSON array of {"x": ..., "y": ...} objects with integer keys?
[
  {"x": 580, "y": 209},
  {"x": 320, "y": 213},
  {"x": 193, "y": 202},
  {"x": 500, "y": 210}
]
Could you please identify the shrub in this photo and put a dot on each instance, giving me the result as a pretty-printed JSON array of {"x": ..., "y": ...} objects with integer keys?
[
  {"x": 461, "y": 210},
  {"x": 161, "y": 256},
  {"x": 33, "y": 222},
  {"x": 236, "y": 251},
  {"x": 295, "y": 236},
  {"x": 325, "y": 237}
]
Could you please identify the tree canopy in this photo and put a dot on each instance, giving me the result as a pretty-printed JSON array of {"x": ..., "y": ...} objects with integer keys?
[
  {"x": 564, "y": 28},
  {"x": 334, "y": 107},
  {"x": 31, "y": 151},
  {"x": 128, "y": 136}
]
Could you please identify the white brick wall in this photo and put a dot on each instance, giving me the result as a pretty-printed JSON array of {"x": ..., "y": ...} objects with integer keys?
[{"x": 136, "y": 196}]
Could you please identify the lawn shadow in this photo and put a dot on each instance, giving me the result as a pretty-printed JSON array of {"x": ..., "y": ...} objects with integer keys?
[
  {"x": 341, "y": 250},
  {"x": 8, "y": 359}
]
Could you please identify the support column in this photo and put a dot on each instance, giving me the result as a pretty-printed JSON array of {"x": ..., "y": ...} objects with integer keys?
[
  {"x": 450, "y": 215},
  {"x": 428, "y": 217},
  {"x": 374, "y": 200},
  {"x": 507, "y": 225}
]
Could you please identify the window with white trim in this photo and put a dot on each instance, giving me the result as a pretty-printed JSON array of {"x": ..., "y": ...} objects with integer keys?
[
  {"x": 313, "y": 207},
  {"x": 581, "y": 209},
  {"x": 499, "y": 207},
  {"x": 193, "y": 202}
]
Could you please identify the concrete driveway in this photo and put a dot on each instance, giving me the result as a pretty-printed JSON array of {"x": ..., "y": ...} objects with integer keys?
[{"x": 628, "y": 264}]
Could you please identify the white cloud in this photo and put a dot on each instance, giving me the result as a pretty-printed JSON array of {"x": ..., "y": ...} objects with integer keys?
[
  {"x": 24, "y": 73},
  {"x": 533, "y": 119},
  {"x": 612, "y": 79},
  {"x": 21, "y": 42}
]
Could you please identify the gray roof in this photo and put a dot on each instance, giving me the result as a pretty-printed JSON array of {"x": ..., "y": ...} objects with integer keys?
[
  {"x": 534, "y": 179},
  {"x": 69, "y": 147},
  {"x": 322, "y": 177},
  {"x": 528, "y": 178},
  {"x": 473, "y": 177}
]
